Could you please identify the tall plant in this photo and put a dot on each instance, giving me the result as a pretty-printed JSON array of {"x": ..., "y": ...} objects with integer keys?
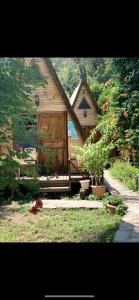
[{"x": 93, "y": 158}]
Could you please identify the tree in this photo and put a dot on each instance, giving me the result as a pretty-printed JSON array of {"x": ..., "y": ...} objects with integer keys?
[
  {"x": 19, "y": 79},
  {"x": 72, "y": 70}
]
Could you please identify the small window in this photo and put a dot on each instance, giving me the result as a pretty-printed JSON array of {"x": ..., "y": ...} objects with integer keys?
[{"x": 84, "y": 104}]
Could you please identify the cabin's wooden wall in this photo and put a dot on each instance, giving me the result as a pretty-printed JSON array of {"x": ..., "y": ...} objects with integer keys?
[
  {"x": 51, "y": 100},
  {"x": 91, "y": 119}
]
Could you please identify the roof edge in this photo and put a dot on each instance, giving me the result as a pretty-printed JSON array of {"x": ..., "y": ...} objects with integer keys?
[
  {"x": 65, "y": 98},
  {"x": 89, "y": 92}
]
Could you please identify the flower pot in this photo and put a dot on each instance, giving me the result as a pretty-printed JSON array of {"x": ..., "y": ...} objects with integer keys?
[
  {"x": 84, "y": 193},
  {"x": 98, "y": 190},
  {"x": 85, "y": 184},
  {"x": 111, "y": 208}
]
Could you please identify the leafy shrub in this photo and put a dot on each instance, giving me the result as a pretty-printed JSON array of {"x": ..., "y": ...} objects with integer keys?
[
  {"x": 116, "y": 200},
  {"x": 121, "y": 209},
  {"x": 113, "y": 200},
  {"x": 29, "y": 188},
  {"x": 92, "y": 197},
  {"x": 93, "y": 157},
  {"x": 126, "y": 173},
  {"x": 106, "y": 196},
  {"x": 76, "y": 197}
]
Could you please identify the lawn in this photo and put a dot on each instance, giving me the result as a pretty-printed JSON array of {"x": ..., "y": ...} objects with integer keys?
[{"x": 17, "y": 224}]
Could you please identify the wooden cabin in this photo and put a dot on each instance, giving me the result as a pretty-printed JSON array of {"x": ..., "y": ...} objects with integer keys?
[
  {"x": 67, "y": 123},
  {"x": 56, "y": 116},
  {"x": 84, "y": 106}
]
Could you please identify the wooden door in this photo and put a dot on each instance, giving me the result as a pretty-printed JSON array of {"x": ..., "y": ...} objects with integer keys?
[{"x": 56, "y": 142}]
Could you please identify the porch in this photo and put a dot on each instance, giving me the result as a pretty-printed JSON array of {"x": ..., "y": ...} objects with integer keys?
[{"x": 54, "y": 182}]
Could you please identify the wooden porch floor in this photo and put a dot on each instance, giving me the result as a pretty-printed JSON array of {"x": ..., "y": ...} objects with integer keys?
[
  {"x": 74, "y": 178},
  {"x": 61, "y": 183}
]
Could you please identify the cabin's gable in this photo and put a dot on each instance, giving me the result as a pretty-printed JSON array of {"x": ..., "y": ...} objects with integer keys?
[{"x": 84, "y": 106}]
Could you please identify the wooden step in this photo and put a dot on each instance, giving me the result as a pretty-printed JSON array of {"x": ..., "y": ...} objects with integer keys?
[
  {"x": 53, "y": 183},
  {"x": 54, "y": 189}
]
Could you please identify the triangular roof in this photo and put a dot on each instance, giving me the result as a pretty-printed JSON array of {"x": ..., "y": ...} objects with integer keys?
[
  {"x": 76, "y": 92},
  {"x": 64, "y": 96}
]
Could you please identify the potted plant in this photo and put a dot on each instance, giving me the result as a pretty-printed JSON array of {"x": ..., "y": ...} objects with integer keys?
[
  {"x": 85, "y": 183},
  {"x": 94, "y": 157},
  {"x": 114, "y": 204}
]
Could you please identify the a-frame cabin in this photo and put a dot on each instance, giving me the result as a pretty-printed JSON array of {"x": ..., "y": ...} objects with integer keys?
[
  {"x": 66, "y": 124},
  {"x": 85, "y": 107},
  {"x": 55, "y": 115}
]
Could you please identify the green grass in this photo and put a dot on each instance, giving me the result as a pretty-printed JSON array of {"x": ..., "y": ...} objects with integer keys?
[
  {"x": 17, "y": 224},
  {"x": 126, "y": 173}
]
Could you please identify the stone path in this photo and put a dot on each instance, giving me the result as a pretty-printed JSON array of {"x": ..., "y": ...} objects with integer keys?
[
  {"x": 128, "y": 231},
  {"x": 72, "y": 204},
  {"x": 121, "y": 188},
  {"x": 129, "y": 228}
]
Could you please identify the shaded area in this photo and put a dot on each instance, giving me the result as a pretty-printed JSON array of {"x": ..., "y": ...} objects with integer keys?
[{"x": 127, "y": 233}]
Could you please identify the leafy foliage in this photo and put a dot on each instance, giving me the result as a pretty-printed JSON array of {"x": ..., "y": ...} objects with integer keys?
[
  {"x": 125, "y": 172},
  {"x": 116, "y": 200},
  {"x": 19, "y": 80},
  {"x": 72, "y": 70},
  {"x": 121, "y": 209},
  {"x": 118, "y": 103},
  {"x": 93, "y": 157}
]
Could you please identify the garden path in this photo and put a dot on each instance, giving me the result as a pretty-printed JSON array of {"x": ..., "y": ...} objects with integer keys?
[
  {"x": 128, "y": 231},
  {"x": 72, "y": 204}
]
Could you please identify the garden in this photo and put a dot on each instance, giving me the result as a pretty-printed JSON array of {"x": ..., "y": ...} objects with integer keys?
[{"x": 115, "y": 84}]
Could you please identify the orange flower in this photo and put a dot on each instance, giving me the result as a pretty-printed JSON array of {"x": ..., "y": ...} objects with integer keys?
[
  {"x": 115, "y": 135},
  {"x": 125, "y": 113},
  {"x": 126, "y": 79},
  {"x": 108, "y": 84},
  {"x": 122, "y": 122},
  {"x": 125, "y": 94}
]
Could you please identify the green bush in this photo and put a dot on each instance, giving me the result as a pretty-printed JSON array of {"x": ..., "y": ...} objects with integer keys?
[
  {"x": 126, "y": 173},
  {"x": 116, "y": 200},
  {"x": 93, "y": 197},
  {"x": 121, "y": 209},
  {"x": 113, "y": 200}
]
